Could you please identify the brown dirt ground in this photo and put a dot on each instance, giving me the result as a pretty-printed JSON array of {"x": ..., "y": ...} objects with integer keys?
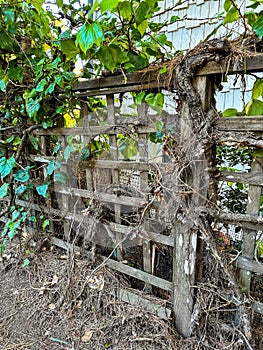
[{"x": 51, "y": 305}]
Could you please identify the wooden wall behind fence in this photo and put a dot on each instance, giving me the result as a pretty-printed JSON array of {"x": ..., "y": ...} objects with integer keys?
[{"x": 103, "y": 196}]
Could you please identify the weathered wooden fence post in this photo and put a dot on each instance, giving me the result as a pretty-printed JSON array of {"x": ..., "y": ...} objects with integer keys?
[{"x": 185, "y": 233}]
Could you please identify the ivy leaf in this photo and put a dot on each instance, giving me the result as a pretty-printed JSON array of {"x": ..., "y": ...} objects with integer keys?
[
  {"x": 26, "y": 262},
  {"x": 52, "y": 166},
  {"x": 254, "y": 108},
  {"x": 258, "y": 27},
  {"x": 139, "y": 98},
  {"x": 4, "y": 190},
  {"x": 230, "y": 112},
  {"x": 6, "y": 166},
  {"x": 22, "y": 175},
  {"x": 34, "y": 141},
  {"x": 45, "y": 224},
  {"x": 61, "y": 177},
  {"x": 106, "y": 5},
  {"x": 232, "y": 15},
  {"x": 9, "y": 16},
  {"x": 88, "y": 35},
  {"x": 47, "y": 123},
  {"x": 22, "y": 189},
  {"x": 41, "y": 85},
  {"x": 32, "y": 106},
  {"x": 2, "y": 85},
  {"x": 68, "y": 150},
  {"x": 155, "y": 101},
  {"x": 42, "y": 189},
  {"x": 69, "y": 48},
  {"x": 257, "y": 88}
]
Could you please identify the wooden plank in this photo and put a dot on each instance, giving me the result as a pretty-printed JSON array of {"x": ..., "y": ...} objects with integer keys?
[
  {"x": 96, "y": 130},
  {"x": 121, "y": 89},
  {"x": 240, "y": 177},
  {"x": 249, "y": 237},
  {"x": 140, "y": 275},
  {"x": 135, "y": 299},
  {"x": 239, "y": 139},
  {"x": 243, "y": 220},
  {"x": 247, "y": 65},
  {"x": 249, "y": 265},
  {"x": 102, "y": 196},
  {"x": 240, "y": 124},
  {"x": 120, "y": 267}
]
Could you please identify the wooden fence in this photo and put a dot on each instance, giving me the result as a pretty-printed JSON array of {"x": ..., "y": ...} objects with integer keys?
[{"x": 132, "y": 207}]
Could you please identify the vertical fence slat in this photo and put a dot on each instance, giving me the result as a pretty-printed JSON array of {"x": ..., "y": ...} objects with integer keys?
[
  {"x": 144, "y": 188},
  {"x": 115, "y": 172},
  {"x": 249, "y": 236}
]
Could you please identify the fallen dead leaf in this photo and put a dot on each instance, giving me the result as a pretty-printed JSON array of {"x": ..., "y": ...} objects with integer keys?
[{"x": 86, "y": 336}]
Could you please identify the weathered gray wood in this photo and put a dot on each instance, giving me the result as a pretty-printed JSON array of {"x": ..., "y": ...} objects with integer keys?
[
  {"x": 185, "y": 240},
  {"x": 240, "y": 124},
  {"x": 110, "y": 129},
  {"x": 246, "y": 178},
  {"x": 102, "y": 196},
  {"x": 244, "y": 220},
  {"x": 252, "y": 139},
  {"x": 120, "y": 267},
  {"x": 249, "y": 237},
  {"x": 149, "y": 305},
  {"x": 258, "y": 307},
  {"x": 249, "y": 265},
  {"x": 249, "y": 65}
]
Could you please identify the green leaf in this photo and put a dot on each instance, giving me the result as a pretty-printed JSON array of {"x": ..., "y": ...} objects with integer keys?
[
  {"x": 22, "y": 175},
  {"x": 22, "y": 189},
  {"x": 155, "y": 101},
  {"x": 141, "y": 12},
  {"x": 232, "y": 15},
  {"x": 6, "y": 166},
  {"x": 257, "y": 89},
  {"x": 15, "y": 72},
  {"x": 142, "y": 27},
  {"x": 125, "y": 9},
  {"x": 52, "y": 166},
  {"x": 9, "y": 16},
  {"x": 59, "y": 3},
  {"x": 42, "y": 189},
  {"x": 88, "y": 35},
  {"x": 4, "y": 190},
  {"x": 6, "y": 41},
  {"x": 136, "y": 62},
  {"x": 2, "y": 85},
  {"x": 163, "y": 70},
  {"x": 34, "y": 141},
  {"x": 230, "y": 112},
  {"x": 254, "y": 108},
  {"x": 32, "y": 106},
  {"x": 227, "y": 4},
  {"x": 68, "y": 150},
  {"x": 107, "y": 5},
  {"x": 258, "y": 153},
  {"x": 56, "y": 148},
  {"x": 41, "y": 85},
  {"x": 93, "y": 9},
  {"x": 45, "y": 224},
  {"x": 159, "y": 125},
  {"x": 60, "y": 177},
  {"x": 47, "y": 123},
  {"x": 258, "y": 27},
  {"x": 110, "y": 56},
  {"x": 26, "y": 262},
  {"x": 139, "y": 98},
  {"x": 69, "y": 48}
]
